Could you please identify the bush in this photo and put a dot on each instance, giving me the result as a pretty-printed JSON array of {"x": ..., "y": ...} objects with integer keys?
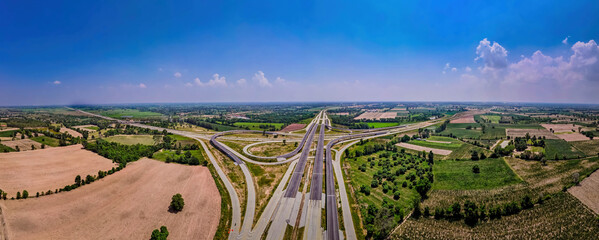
[
  {"x": 159, "y": 234},
  {"x": 177, "y": 203},
  {"x": 475, "y": 169},
  {"x": 25, "y": 194}
]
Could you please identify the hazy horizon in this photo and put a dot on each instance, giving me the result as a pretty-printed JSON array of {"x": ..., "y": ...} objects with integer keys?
[{"x": 111, "y": 52}]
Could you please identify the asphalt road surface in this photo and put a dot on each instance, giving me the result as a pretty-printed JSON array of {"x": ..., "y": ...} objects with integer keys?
[{"x": 316, "y": 182}]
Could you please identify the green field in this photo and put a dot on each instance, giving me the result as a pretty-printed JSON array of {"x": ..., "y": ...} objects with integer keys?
[
  {"x": 7, "y": 133},
  {"x": 132, "y": 139},
  {"x": 183, "y": 140},
  {"x": 561, "y": 149},
  {"x": 382, "y": 124},
  {"x": 4, "y": 148},
  {"x": 462, "y": 133},
  {"x": 458, "y": 175},
  {"x": 132, "y": 113},
  {"x": 92, "y": 128},
  {"x": 52, "y": 142},
  {"x": 491, "y": 118},
  {"x": 437, "y": 145},
  {"x": 256, "y": 126},
  {"x": 162, "y": 155}
]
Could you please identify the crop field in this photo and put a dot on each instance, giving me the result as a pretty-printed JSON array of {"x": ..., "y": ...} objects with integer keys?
[
  {"x": 258, "y": 126},
  {"x": 22, "y": 144},
  {"x": 462, "y": 132},
  {"x": 381, "y": 124},
  {"x": 4, "y": 148},
  {"x": 184, "y": 141},
  {"x": 520, "y": 132},
  {"x": 87, "y": 127},
  {"x": 126, "y": 205},
  {"x": 458, "y": 175},
  {"x": 465, "y": 152},
  {"x": 52, "y": 142},
  {"x": 360, "y": 174},
  {"x": 491, "y": 118},
  {"x": 561, "y": 217},
  {"x": 48, "y": 169},
  {"x": 293, "y": 127},
  {"x": 422, "y": 148},
  {"x": 127, "y": 113},
  {"x": 561, "y": 149},
  {"x": 589, "y": 147},
  {"x": 8, "y": 133},
  {"x": 587, "y": 192},
  {"x": 437, "y": 145},
  {"x": 132, "y": 139}
]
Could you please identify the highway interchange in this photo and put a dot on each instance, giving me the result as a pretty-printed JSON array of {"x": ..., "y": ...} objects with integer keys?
[{"x": 289, "y": 205}]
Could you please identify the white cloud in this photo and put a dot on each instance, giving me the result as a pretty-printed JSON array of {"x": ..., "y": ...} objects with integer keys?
[
  {"x": 215, "y": 81},
  {"x": 141, "y": 85},
  {"x": 494, "y": 56},
  {"x": 241, "y": 82},
  {"x": 178, "y": 75},
  {"x": 189, "y": 84},
  {"x": 261, "y": 79},
  {"x": 280, "y": 80},
  {"x": 565, "y": 41},
  {"x": 468, "y": 69},
  {"x": 445, "y": 68},
  {"x": 57, "y": 82},
  {"x": 454, "y": 69}
]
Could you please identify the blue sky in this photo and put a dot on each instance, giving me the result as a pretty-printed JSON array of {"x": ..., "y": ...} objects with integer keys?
[{"x": 190, "y": 51}]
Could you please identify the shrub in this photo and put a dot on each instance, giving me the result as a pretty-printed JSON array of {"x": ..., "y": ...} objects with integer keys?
[
  {"x": 161, "y": 234},
  {"x": 25, "y": 194},
  {"x": 177, "y": 203},
  {"x": 475, "y": 169}
]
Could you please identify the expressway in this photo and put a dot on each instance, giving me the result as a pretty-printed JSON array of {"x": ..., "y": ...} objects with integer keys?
[{"x": 285, "y": 204}]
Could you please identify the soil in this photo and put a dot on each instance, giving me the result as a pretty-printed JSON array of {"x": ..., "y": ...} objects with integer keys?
[{"x": 129, "y": 204}]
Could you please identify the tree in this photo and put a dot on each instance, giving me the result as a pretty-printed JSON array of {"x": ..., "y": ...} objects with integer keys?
[
  {"x": 417, "y": 212},
  {"x": 78, "y": 180},
  {"x": 177, "y": 203},
  {"x": 423, "y": 186},
  {"x": 475, "y": 169},
  {"x": 25, "y": 194},
  {"x": 161, "y": 234},
  {"x": 474, "y": 156},
  {"x": 470, "y": 213},
  {"x": 431, "y": 157},
  {"x": 18, "y": 195}
]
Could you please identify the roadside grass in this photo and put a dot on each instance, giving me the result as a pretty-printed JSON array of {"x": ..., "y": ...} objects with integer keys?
[
  {"x": 382, "y": 124},
  {"x": 256, "y": 125},
  {"x": 183, "y": 140},
  {"x": 133, "y": 113},
  {"x": 272, "y": 149},
  {"x": 561, "y": 217},
  {"x": 226, "y": 212},
  {"x": 52, "y": 142},
  {"x": 589, "y": 147},
  {"x": 437, "y": 145},
  {"x": 132, "y": 139},
  {"x": 561, "y": 149},
  {"x": 458, "y": 175},
  {"x": 266, "y": 179},
  {"x": 234, "y": 174}
]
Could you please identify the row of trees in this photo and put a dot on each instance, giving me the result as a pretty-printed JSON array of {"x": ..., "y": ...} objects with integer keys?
[
  {"x": 472, "y": 214},
  {"x": 120, "y": 153}
]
